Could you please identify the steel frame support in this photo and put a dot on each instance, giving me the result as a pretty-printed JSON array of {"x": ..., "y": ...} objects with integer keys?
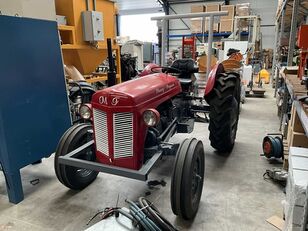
[
  {"x": 277, "y": 51},
  {"x": 164, "y": 21},
  {"x": 276, "y": 47},
  {"x": 293, "y": 31},
  {"x": 209, "y": 46},
  {"x": 141, "y": 174}
]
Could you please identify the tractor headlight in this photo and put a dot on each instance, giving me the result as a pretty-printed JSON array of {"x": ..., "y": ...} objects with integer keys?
[
  {"x": 151, "y": 117},
  {"x": 85, "y": 111}
]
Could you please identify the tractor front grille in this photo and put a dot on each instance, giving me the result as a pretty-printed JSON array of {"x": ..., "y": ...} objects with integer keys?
[
  {"x": 101, "y": 131},
  {"x": 123, "y": 135}
]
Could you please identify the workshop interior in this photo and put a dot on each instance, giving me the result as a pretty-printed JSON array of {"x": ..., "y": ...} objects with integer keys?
[{"x": 154, "y": 115}]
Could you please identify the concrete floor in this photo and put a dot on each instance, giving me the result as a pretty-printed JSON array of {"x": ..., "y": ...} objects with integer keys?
[{"x": 235, "y": 196}]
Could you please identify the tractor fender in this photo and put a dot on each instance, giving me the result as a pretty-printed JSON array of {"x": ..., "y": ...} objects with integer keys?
[{"x": 217, "y": 69}]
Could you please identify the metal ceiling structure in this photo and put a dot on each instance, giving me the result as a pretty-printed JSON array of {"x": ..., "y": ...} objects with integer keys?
[{"x": 130, "y": 7}]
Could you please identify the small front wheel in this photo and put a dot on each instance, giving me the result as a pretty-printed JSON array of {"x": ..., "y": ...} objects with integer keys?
[
  {"x": 73, "y": 177},
  {"x": 187, "y": 179}
]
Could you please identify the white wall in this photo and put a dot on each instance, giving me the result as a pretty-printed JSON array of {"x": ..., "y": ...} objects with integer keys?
[
  {"x": 139, "y": 27},
  {"x": 265, "y": 8}
]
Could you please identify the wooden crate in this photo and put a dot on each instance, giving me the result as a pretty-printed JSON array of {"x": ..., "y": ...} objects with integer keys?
[
  {"x": 296, "y": 133},
  {"x": 226, "y": 25}
]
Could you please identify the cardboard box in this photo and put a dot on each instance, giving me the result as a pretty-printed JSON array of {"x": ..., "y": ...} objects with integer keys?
[
  {"x": 212, "y": 7},
  {"x": 242, "y": 9},
  {"x": 196, "y": 23},
  {"x": 231, "y": 12},
  {"x": 206, "y": 26},
  {"x": 197, "y": 9},
  {"x": 226, "y": 25}
]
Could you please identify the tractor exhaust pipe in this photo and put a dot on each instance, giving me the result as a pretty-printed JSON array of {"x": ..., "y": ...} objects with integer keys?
[{"x": 111, "y": 75}]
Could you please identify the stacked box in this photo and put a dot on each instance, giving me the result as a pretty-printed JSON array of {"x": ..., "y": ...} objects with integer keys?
[
  {"x": 243, "y": 9},
  {"x": 231, "y": 12},
  {"x": 196, "y": 23},
  {"x": 296, "y": 190},
  {"x": 227, "y": 22},
  {"x": 206, "y": 26},
  {"x": 211, "y": 8},
  {"x": 226, "y": 25}
]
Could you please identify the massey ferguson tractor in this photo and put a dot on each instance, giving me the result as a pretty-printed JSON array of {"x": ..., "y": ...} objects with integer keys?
[{"x": 132, "y": 123}]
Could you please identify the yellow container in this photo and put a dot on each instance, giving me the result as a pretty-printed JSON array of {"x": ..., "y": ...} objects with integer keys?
[{"x": 264, "y": 75}]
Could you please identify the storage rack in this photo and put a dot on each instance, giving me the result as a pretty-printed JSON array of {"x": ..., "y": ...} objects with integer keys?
[{"x": 289, "y": 14}]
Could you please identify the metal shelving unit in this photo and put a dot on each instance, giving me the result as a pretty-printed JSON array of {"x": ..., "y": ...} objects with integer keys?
[{"x": 289, "y": 15}]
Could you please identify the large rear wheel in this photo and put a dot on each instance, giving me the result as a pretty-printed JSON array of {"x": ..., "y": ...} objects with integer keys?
[
  {"x": 187, "y": 179},
  {"x": 72, "y": 177},
  {"x": 224, "y": 101}
]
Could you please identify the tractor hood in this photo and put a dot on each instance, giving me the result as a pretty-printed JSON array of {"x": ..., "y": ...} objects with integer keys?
[{"x": 141, "y": 91}]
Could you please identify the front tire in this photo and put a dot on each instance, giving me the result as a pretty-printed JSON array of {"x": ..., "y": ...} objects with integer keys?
[
  {"x": 224, "y": 101},
  {"x": 73, "y": 177},
  {"x": 187, "y": 179}
]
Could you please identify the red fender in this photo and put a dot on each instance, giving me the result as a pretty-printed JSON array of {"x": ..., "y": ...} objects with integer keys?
[{"x": 217, "y": 69}]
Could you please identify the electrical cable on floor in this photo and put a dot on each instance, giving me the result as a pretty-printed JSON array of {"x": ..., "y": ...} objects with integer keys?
[{"x": 142, "y": 213}]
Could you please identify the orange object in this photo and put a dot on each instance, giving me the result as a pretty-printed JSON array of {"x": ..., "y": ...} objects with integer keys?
[
  {"x": 302, "y": 42},
  {"x": 236, "y": 56},
  {"x": 76, "y": 52}
]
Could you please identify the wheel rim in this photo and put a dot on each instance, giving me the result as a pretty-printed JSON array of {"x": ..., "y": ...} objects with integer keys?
[{"x": 196, "y": 180}]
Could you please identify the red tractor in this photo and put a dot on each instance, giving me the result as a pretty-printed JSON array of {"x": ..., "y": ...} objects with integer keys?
[{"x": 132, "y": 124}]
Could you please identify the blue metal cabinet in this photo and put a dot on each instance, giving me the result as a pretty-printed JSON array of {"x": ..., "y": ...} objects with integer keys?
[{"x": 34, "y": 111}]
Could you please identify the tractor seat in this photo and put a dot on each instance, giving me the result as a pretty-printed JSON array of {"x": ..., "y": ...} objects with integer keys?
[{"x": 186, "y": 68}]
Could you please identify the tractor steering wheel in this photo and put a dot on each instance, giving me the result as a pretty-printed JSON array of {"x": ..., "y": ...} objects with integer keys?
[{"x": 165, "y": 70}]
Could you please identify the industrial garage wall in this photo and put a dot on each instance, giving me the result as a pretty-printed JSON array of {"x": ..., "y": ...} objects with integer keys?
[{"x": 265, "y": 8}]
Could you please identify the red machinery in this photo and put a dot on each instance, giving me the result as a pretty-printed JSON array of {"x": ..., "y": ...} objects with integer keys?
[
  {"x": 121, "y": 108},
  {"x": 132, "y": 123},
  {"x": 303, "y": 45},
  {"x": 189, "y": 47}
]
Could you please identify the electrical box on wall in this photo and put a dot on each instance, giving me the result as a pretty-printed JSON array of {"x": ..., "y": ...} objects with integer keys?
[{"x": 92, "y": 22}]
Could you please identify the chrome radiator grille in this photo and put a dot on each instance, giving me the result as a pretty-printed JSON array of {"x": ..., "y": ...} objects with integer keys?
[
  {"x": 123, "y": 135},
  {"x": 101, "y": 131}
]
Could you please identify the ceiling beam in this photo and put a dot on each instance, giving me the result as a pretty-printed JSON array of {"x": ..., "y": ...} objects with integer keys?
[
  {"x": 141, "y": 11},
  {"x": 190, "y": 1}
]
